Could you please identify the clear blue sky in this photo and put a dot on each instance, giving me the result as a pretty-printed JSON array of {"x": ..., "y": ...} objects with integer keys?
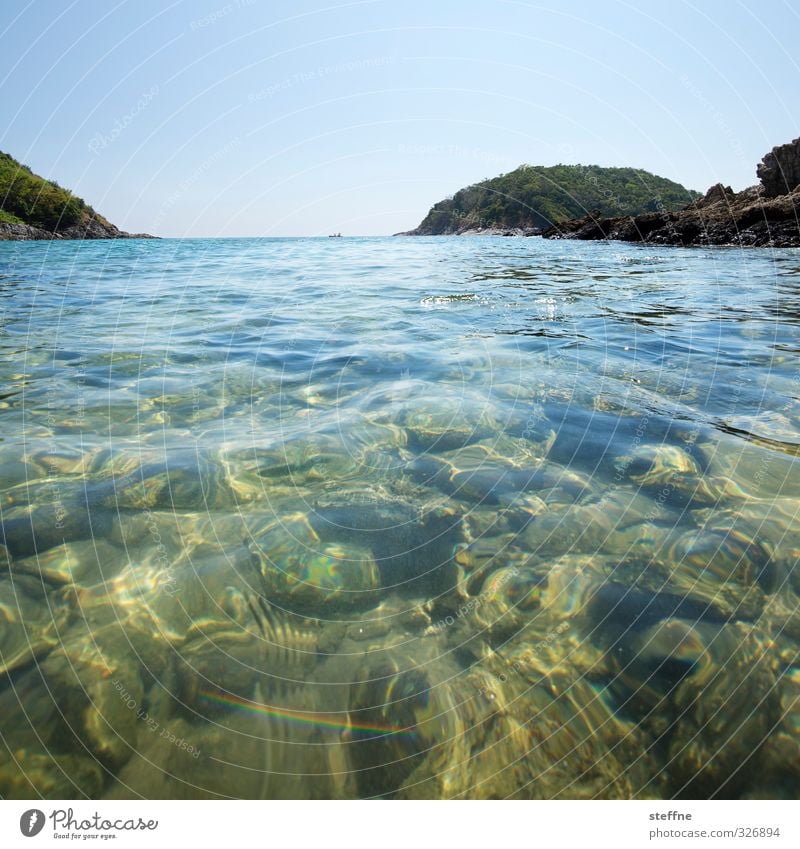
[{"x": 279, "y": 117}]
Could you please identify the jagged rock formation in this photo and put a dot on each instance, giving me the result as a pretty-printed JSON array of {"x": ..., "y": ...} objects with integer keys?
[
  {"x": 779, "y": 170},
  {"x": 761, "y": 215}
]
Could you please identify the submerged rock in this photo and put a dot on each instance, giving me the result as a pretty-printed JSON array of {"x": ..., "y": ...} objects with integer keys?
[
  {"x": 300, "y": 570},
  {"x": 31, "y": 622},
  {"x": 703, "y": 686},
  {"x": 721, "y": 713},
  {"x": 350, "y": 555},
  {"x": 655, "y": 465},
  {"x": 191, "y": 482},
  {"x": 35, "y": 530},
  {"x": 47, "y": 775}
]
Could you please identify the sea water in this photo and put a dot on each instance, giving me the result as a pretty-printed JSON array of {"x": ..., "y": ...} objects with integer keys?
[{"x": 404, "y": 517}]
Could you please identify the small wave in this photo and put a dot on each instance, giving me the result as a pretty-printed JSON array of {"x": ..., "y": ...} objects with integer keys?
[{"x": 439, "y": 300}]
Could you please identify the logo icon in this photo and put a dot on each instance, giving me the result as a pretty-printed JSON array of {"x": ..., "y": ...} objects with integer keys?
[{"x": 31, "y": 822}]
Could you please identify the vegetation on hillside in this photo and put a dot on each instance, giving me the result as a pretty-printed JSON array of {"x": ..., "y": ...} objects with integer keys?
[
  {"x": 533, "y": 196},
  {"x": 8, "y": 218},
  {"x": 29, "y": 199}
]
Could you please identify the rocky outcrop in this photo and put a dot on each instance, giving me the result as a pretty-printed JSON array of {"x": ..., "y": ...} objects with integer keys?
[
  {"x": 92, "y": 228},
  {"x": 21, "y": 233},
  {"x": 754, "y": 217},
  {"x": 779, "y": 170}
]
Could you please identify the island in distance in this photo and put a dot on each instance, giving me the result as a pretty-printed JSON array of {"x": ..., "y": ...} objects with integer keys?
[
  {"x": 34, "y": 208},
  {"x": 627, "y": 204},
  {"x": 530, "y": 199}
]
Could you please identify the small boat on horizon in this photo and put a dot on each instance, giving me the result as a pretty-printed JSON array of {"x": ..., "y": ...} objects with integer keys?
[{"x": 335, "y": 236}]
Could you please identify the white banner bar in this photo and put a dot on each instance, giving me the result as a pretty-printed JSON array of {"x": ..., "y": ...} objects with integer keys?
[{"x": 404, "y": 825}]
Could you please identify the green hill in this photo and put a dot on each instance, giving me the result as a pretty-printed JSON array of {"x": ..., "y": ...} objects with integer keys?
[
  {"x": 26, "y": 198},
  {"x": 537, "y": 197}
]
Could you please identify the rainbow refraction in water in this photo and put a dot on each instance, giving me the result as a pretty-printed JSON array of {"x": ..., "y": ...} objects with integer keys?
[{"x": 404, "y": 518}]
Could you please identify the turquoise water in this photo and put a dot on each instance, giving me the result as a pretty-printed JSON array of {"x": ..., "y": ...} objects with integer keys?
[{"x": 435, "y": 518}]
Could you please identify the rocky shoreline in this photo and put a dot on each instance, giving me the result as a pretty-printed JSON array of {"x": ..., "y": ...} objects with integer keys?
[
  {"x": 764, "y": 215},
  {"x": 471, "y": 230},
  {"x": 92, "y": 229}
]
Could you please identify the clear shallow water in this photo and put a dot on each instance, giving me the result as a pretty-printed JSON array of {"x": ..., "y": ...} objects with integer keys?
[{"x": 406, "y": 517}]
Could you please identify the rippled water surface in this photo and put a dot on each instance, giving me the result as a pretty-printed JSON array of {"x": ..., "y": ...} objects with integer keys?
[{"x": 398, "y": 517}]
